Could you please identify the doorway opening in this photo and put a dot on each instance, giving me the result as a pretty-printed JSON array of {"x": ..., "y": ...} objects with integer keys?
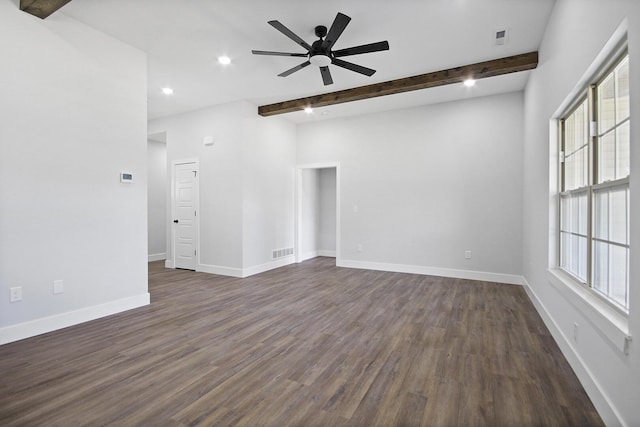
[
  {"x": 318, "y": 211},
  {"x": 157, "y": 212}
]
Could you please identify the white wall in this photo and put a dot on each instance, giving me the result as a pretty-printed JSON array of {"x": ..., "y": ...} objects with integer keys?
[
  {"x": 577, "y": 32},
  {"x": 157, "y": 200},
  {"x": 327, "y": 212},
  {"x": 268, "y": 191},
  {"x": 246, "y": 183},
  {"x": 72, "y": 117},
  {"x": 420, "y": 186}
]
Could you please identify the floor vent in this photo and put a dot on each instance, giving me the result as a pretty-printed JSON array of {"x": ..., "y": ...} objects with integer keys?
[{"x": 281, "y": 253}]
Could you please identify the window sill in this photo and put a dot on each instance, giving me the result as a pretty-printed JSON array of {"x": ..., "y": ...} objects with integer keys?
[{"x": 608, "y": 321}]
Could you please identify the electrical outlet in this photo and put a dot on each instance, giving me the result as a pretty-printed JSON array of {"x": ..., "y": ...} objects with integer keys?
[
  {"x": 58, "y": 286},
  {"x": 359, "y": 247},
  {"x": 16, "y": 294},
  {"x": 467, "y": 254}
]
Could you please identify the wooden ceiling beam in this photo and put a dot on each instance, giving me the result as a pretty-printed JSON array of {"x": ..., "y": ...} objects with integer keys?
[
  {"x": 41, "y": 8},
  {"x": 496, "y": 67}
]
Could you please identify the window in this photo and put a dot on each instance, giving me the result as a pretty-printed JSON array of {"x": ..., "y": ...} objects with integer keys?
[{"x": 594, "y": 186}]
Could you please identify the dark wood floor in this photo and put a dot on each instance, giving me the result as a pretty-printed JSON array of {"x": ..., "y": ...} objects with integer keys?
[{"x": 304, "y": 345}]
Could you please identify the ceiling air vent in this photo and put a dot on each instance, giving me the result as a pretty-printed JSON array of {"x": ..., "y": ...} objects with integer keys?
[{"x": 501, "y": 36}]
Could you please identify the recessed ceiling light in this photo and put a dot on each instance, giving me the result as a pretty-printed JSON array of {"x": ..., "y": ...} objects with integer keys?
[
  {"x": 224, "y": 60},
  {"x": 308, "y": 110},
  {"x": 469, "y": 82},
  {"x": 167, "y": 91}
]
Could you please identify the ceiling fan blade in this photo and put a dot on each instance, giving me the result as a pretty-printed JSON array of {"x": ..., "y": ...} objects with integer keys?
[
  {"x": 353, "y": 67},
  {"x": 365, "y": 48},
  {"x": 338, "y": 26},
  {"x": 266, "y": 52},
  {"x": 294, "y": 69},
  {"x": 326, "y": 76},
  {"x": 287, "y": 32}
]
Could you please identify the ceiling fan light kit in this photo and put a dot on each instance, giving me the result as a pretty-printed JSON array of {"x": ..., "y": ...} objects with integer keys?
[{"x": 320, "y": 53}]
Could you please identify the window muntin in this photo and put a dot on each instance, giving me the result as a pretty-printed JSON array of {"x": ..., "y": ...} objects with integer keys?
[
  {"x": 576, "y": 146},
  {"x": 573, "y": 234},
  {"x": 594, "y": 187},
  {"x": 611, "y": 242},
  {"x": 613, "y": 124}
]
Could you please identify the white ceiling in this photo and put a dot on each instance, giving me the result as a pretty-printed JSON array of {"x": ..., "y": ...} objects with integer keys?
[{"x": 183, "y": 39}]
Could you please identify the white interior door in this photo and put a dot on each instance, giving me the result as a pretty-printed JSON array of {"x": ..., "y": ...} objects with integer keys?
[{"x": 185, "y": 206}]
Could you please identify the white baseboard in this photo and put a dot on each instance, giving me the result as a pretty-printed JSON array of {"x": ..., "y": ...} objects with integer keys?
[
  {"x": 243, "y": 272},
  {"x": 307, "y": 255},
  {"x": 327, "y": 253},
  {"x": 216, "y": 269},
  {"x": 257, "y": 269},
  {"x": 63, "y": 320},
  {"x": 157, "y": 257},
  {"x": 600, "y": 400},
  {"x": 314, "y": 254},
  {"x": 511, "y": 279},
  {"x": 168, "y": 263}
]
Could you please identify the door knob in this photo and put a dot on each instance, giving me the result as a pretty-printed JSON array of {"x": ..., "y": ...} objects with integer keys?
[{"x": 175, "y": 221}]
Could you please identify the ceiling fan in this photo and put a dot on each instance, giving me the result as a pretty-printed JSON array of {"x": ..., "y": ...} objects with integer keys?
[{"x": 319, "y": 53}]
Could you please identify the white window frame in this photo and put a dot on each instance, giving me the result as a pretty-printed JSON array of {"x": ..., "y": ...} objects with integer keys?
[{"x": 589, "y": 97}]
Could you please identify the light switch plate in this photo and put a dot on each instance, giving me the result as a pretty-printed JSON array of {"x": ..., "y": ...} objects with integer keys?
[
  {"x": 58, "y": 286},
  {"x": 16, "y": 294}
]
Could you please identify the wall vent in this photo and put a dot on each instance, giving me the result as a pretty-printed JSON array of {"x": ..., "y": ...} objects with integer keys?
[{"x": 281, "y": 253}]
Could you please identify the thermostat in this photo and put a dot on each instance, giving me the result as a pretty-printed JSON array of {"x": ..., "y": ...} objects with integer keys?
[{"x": 126, "y": 177}]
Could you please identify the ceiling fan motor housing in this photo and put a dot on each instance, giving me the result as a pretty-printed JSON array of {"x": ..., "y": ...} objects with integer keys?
[
  {"x": 318, "y": 55},
  {"x": 321, "y": 31}
]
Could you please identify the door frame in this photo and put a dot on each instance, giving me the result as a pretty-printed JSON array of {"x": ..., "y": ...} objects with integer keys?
[
  {"x": 170, "y": 262},
  {"x": 298, "y": 207}
]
